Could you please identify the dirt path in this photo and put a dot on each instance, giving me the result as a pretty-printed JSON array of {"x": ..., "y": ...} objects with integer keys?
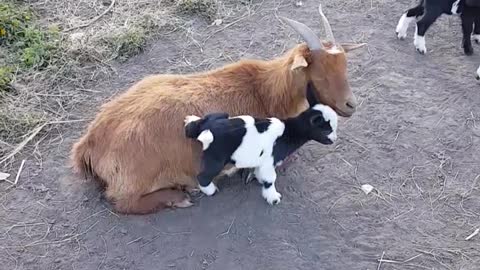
[{"x": 415, "y": 138}]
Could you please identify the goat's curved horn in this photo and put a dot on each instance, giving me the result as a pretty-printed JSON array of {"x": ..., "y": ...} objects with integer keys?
[
  {"x": 326, "y": 24},
  {"x": 307, "y": 34}
]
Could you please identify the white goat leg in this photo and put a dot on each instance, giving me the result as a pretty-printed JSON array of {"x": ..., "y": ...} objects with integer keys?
[
  {"x": 402, "y": 26},
  {"x": 267, "y": 175},
  {"x": 419, "y": 42},
  {"x": 476, "y": 38},
  {"x": 210, "y": 189}
]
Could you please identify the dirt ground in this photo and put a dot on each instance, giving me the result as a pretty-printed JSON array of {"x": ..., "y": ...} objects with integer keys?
[{"x": 415, "y": 139}]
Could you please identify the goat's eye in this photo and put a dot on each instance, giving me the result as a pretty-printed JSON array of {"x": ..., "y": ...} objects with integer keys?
[{"x": 325, "y": 124}]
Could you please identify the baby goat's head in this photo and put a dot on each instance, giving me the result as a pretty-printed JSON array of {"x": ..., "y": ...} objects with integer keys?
[
  {"x": 325, "y": 65},
  {"x": 321, "y": 123}
]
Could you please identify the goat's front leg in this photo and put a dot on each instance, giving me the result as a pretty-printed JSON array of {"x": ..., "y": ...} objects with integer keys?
[
  {"x": 476, "y": 30},
  {"x": 430, "y": 17},
  {"x": 210, "y": 169},
  {"x": 467, "y": 28},
  {"x": 408, "y": 17},
  {"x": 266, "y": 175}
]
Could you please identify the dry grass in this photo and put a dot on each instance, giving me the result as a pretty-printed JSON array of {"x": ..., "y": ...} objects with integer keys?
[{"x": 93, "y": 35}]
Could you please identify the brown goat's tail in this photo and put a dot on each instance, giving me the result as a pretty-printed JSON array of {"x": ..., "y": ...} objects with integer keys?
[{"x": 80, "y": 158}]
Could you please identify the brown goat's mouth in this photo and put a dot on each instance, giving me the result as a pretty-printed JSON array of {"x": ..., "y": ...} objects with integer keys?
[{"x": 343, "y": 113}]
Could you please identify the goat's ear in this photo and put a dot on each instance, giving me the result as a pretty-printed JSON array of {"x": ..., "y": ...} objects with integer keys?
[
  {"x": 348, "y": 47},
  {"x": 299, "y": 62},
  {"x": 317, "y": 120}
]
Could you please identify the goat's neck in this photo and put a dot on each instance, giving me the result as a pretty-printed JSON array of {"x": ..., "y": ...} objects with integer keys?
[
  {"x": 281, "y": 90},
  {"x": 294, "y": 137}
]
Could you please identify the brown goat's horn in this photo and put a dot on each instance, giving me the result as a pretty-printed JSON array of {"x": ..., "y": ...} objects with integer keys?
[
  {"x": 307, "y": 34},
  {"x": 326, "y": 24}
]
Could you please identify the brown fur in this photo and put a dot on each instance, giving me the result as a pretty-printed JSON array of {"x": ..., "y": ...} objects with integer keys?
[{"x": 136, "y": 144}]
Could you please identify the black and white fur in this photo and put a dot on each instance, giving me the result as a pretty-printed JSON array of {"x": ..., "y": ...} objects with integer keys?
[
  {"x": 477, "y": 76},
  {"x": 248, "y": 142},
  {"x": 469, "y": 11}
]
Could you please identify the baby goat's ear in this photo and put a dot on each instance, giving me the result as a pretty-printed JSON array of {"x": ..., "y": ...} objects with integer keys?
[
  {"x": 298, "y": 62},
  {"x": 317, "y": 120}
]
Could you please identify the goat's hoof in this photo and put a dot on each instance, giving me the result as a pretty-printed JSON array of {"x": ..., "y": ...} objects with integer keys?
[
  {"x": 401, "y": 36},
  {"x": 209, "y": 190},
  {"x": 421, "y": 51},
  {"x": 183, "y": 204},
  {"x": 476, "y": 38},
  {"x": 419, "y": 43},
  {"x": 250, "y": 177},
  {"x": 193, "y": 191},
  {"x": 247, "y": 175},
  {"x": 274, "y": 198},
  {"x": 468, "y": 51}
]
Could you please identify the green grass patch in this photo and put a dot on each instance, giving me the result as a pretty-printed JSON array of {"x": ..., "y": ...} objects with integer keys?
[
  {"x": 26, "y": 45},
  {"x": 127, "y": 42}
]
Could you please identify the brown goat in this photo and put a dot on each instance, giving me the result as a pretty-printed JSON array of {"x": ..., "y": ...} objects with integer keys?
[{"x": 136, "y": 145}]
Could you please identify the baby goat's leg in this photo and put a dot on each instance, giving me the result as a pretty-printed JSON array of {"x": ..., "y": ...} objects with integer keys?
[
  {"x": 430, "y": 17},
  {"x": 266, "y": 175},
  {"x": 476, "y": 30},
  {"x": 467, "y": 28},
  {"x": 406, "y": 19},
  {"x": 209, "y": 170}
]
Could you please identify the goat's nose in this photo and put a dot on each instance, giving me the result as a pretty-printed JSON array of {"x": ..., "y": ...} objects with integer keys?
[{"x": 351, "y": 103}]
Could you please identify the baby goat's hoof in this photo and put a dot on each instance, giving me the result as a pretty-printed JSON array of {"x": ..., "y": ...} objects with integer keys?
[
  {"x": 476, "y": 38},
  {"x": 419, "y": 43},
  {"x": 468, "y": 50},
  {"x": 249, "y": 178},
  {"x": 401, "y": 36},
  {"x": 210, "y": 189},
  {"x": 247, "y": 175},
  {"x": 272, "y": 197},
  {"x": 420, "y": 51}
]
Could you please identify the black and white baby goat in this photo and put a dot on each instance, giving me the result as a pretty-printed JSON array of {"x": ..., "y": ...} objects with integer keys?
[
  {"x": 248, "y": 142},
  {"x": 469, "y": 11}
]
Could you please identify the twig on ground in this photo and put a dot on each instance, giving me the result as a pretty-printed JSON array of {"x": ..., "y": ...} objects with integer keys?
[
  {"x": 36, "y": 243},
  {"x": 472, "y": 235},
  {"x": 134, "y": 240},
  {"x": 19, "y": 172},
  {"x": 106, "y": 253},
  {"x": 228, "y": 230},
  {"x": 94, "y": 19},
  {"x": 225, "y": 27},
  {"x": 21, "y": 145},
  {"x": 32, "y": 135},
  {"x": 381, "y": 259}
]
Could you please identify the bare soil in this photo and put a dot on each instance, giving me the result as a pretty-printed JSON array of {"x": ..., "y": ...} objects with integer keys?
[{"x": 415, "y": 139}]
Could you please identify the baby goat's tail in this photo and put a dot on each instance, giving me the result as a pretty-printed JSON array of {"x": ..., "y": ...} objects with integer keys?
[
  {"x": 192, "y": 126},
  {"x": 194, "y": 130}
]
